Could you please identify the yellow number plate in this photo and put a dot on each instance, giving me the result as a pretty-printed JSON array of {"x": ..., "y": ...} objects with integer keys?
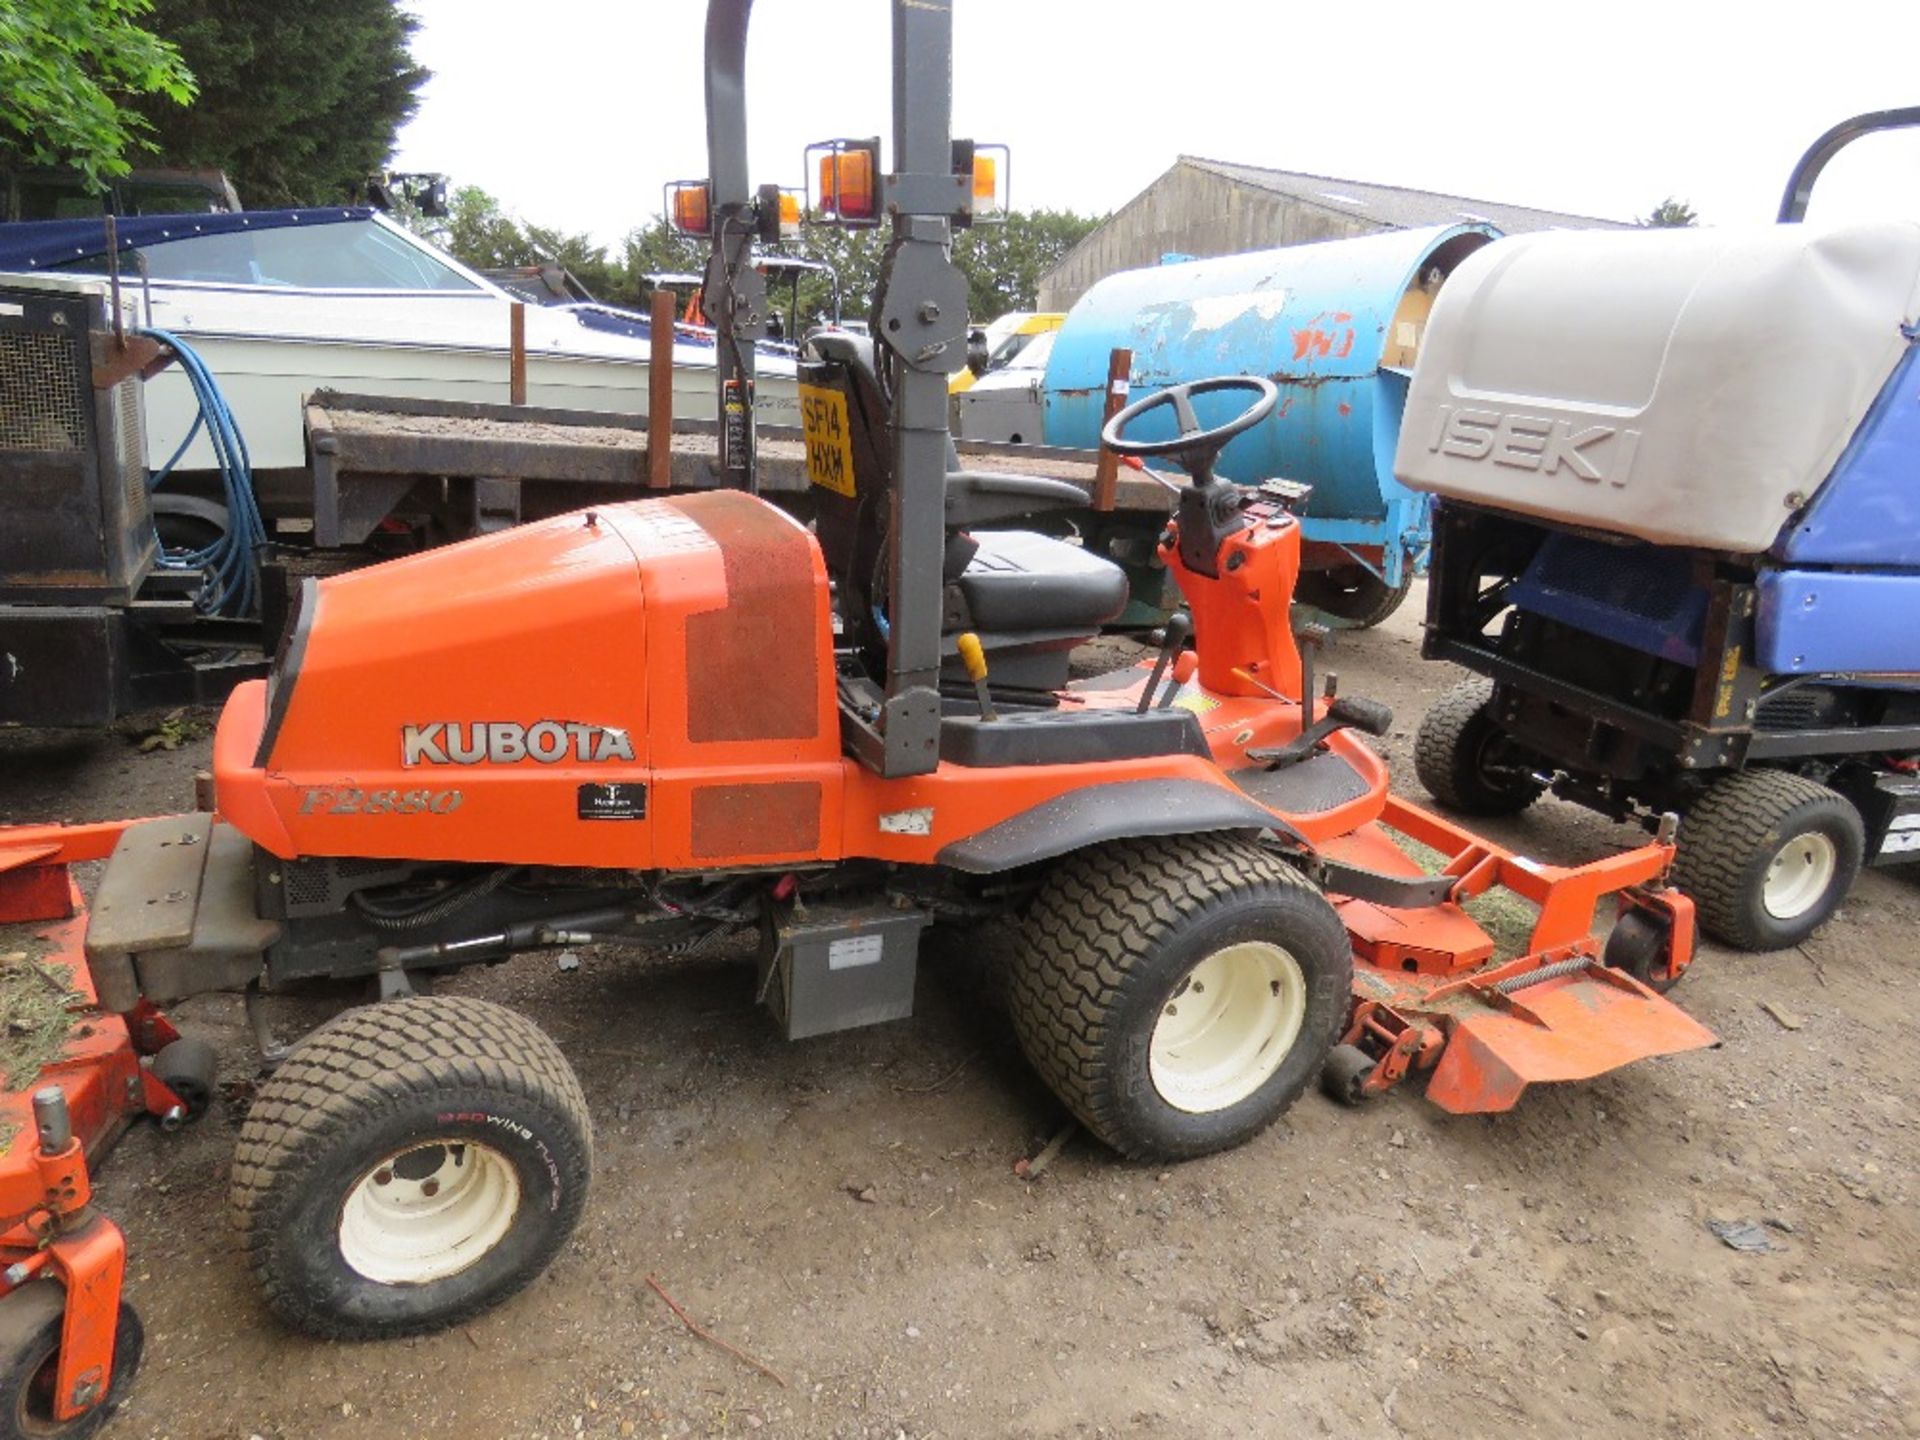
[{"x": 823, "y": 421}]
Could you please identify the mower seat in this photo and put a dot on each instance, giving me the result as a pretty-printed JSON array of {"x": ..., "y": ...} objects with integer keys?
[
  {"x": 1030, "y": 598},
  {"x": 1020, "y": 580}
]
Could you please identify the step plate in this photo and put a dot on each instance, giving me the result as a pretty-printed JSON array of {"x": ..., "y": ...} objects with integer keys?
[{"x": 147, "y": 898}]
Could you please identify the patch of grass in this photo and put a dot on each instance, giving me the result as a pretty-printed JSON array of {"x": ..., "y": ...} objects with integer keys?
[
  {"x": 35, "y": 1017},
  {"x": 1506, "y": 918}
]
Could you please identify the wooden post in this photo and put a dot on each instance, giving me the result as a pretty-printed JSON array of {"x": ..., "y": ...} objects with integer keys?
[
  {"x": 660, "y": 393},
  {"x": 1106, "y": 470},
  {"x": 517, "y": 356}
]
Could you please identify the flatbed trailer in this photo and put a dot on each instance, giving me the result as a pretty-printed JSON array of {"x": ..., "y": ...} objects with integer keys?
[{"x": 373, "y": 455}]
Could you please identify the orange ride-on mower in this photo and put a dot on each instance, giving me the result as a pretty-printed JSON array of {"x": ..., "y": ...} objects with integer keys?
[
  {"x": 71, "y": 1079},
  {"x": 665, "y": 720}
]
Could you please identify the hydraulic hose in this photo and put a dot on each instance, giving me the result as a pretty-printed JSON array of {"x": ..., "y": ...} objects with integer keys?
[{"x": 231, "y": 563}]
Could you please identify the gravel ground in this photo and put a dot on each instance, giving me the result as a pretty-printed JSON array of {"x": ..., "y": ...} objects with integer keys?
[{"x": 846, "y": 1210}]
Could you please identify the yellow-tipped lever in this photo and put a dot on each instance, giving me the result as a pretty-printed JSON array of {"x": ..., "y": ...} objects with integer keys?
[{"x": 975, "y": 659}]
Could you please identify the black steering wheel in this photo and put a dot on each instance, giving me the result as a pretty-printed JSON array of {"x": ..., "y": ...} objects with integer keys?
[{"x": 1194, "y": 447}]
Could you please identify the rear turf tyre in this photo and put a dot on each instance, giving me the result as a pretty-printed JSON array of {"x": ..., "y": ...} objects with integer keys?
[
  {"x": 1767, "y": 857},
  {"x": 30, "y": 1320},
  {"x": 1460, "y": 756},
  {"x": 1353, "y": 593},
  {"x": 409, "y": 1165},
  {"x": 1178, "y": 994}
]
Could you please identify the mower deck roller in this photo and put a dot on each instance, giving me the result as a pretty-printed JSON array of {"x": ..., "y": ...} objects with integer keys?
[{"x": 666, "y": 721}]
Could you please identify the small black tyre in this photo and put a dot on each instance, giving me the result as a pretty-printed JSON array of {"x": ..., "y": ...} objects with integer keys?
[
  {"x": 1353, "y": 593},
  {"x": 1458, "y": 756},
  {"x": 1768, "y": 856},
  {"x": 1637, "y": 946},
  {"x": 30, "y": 1320},
  {"x": 1110, "y": 995},
  {"x": 187, "y": 1067},
  {"x": 408, "y": 1165},
  {"x": 1345, "y": 1072}
]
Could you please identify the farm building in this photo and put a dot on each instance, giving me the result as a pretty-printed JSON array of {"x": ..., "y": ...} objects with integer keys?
[{"x": 1210, "y": 207}]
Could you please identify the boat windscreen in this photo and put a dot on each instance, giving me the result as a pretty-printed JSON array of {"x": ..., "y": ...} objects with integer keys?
[{"x": 359, "y": 255}]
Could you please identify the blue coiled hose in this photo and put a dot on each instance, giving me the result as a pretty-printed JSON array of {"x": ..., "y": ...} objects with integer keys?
[{"x": 231, "y": 563}]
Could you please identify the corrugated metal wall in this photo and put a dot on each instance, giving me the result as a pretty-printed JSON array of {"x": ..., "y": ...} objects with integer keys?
[{"x": 1192, "y": 212}]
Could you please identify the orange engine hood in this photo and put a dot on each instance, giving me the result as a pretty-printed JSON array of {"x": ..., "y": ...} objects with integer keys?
[{"x": 462, "y": 703}]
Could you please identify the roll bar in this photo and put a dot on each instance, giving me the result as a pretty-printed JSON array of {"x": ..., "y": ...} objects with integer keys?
[
  {"x": 919, "y": 322},
  {"x": 1793, "y": 205}
]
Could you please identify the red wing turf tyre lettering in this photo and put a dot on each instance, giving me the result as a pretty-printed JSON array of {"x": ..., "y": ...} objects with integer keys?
[
  {"x": 409, "y": 1165},
  {"x": 30, "y": 1320},
  {"x": 1729, "y": 844},
  {"x": 1116, "y": 943},
  {"x": 1451, "y": 750}
]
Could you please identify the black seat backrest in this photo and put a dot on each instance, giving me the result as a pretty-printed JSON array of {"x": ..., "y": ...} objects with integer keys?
[{"x": 853, "y": 528}]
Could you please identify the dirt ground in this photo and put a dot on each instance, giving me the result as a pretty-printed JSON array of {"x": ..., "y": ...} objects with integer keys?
[{"x": 846, "y": 1210}]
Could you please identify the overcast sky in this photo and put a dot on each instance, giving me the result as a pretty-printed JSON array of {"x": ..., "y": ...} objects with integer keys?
[{"x": 575, "y": 112}]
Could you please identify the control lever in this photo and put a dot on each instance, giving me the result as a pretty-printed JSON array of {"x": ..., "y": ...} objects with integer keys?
[
  {"x": 975, "y": 659},
  {"x": 1173, "y": 640},
  {"x": 1183, "y": 669},
  {"x": 1371, "y": 717},
  {"x": 1310, "y": 636}
]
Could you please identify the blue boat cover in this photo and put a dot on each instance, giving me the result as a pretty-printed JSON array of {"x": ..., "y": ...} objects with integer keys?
[{"x": 44, "y": 244}]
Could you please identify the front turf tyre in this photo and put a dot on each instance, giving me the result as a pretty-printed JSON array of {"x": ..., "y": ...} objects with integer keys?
[
  {"x": 409, "y": 1165},
  {"x": 1179, "y": 993},
  {"x": 30, "y": 1320},
  {"x": 1464, "y": 758},
  {"x": 1767, "y": 856}
]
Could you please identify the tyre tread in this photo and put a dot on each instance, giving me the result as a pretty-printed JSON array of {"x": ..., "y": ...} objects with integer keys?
[
  {"x": 1099, "y": 909},
  {"x": 1736, "y": 818},
  {"x": 361, "y": 1063},
  {"x": 1439, "y": 753}
]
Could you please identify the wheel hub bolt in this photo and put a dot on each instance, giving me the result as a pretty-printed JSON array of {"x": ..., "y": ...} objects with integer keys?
[
  {"x": 383, "y": 1177},
  {"x": 430, "y": 1188}
]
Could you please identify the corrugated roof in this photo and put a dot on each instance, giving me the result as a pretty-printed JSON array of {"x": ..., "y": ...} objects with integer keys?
[{"x": 1392, "y": 205}]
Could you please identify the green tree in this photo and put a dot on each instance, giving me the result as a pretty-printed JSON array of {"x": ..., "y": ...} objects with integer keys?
[
  {"x": 1004, "y": 262},
  {"x": 298, "y": 103},
  {"x": 657, "y": 247},
  {"x": 1670, "y": 214},
  {"x": 476, "y": 231},
  {"x": 68, "y": 69},
  {"x": 855, "y": 256}
]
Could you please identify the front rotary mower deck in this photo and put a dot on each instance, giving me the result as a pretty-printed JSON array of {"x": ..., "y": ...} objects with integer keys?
[
  {"x": 68, "y": 1343},
  {"x": 1431, "y": 992}
]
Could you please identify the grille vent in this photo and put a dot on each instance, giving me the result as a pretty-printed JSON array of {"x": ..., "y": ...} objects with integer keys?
[{"x": 42, "y": 392}]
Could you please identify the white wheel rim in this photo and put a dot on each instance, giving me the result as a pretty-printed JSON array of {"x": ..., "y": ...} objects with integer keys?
[
  {"x": 428, "y": 1211},
  {"x": 1227, "y": 1026},
  {"x": 1799, "y": 875}
]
